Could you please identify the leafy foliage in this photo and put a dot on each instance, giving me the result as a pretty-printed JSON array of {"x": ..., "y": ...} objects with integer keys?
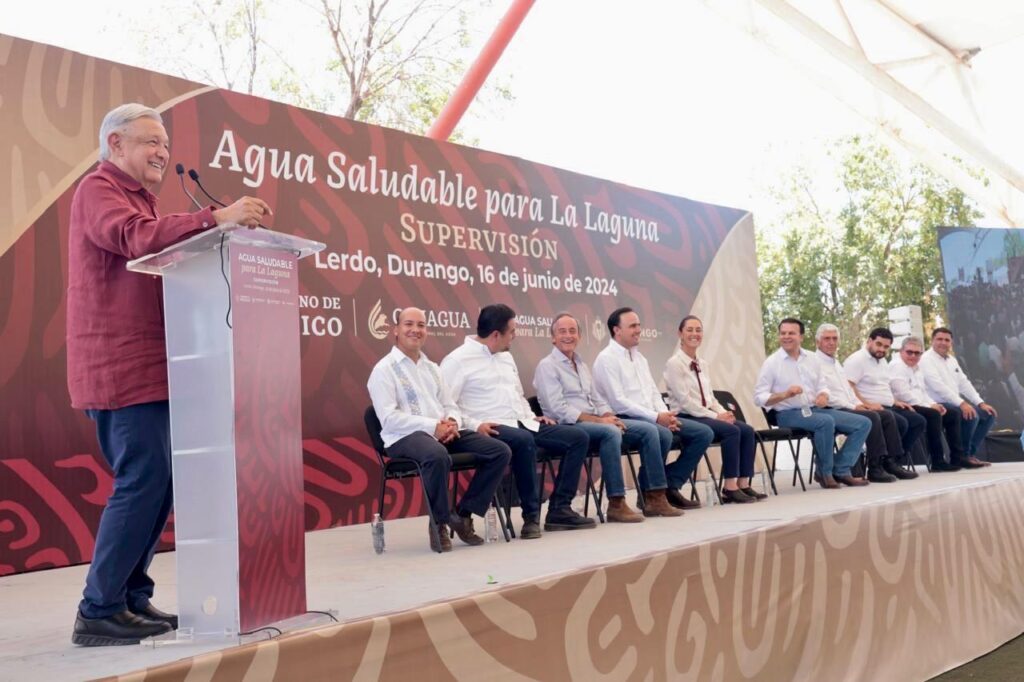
[{"x": 876, "y": 250}]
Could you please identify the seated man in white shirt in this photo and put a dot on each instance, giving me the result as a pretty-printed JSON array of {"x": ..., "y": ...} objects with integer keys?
[
  {"x": 420, "y": 421},
  {"x": 868, "y": 373},
  {"x": 565, "y": 391},
  {"x": 691, "y": 395},
  {"x": 884, "y": 444},
  {"x": 790, "y": 383},
  {"x": 623, "y": 379},
  {"x": 907, "y": 381},
  {"x": 485, "y": 384},
  {"x": 947, "y": 385}
]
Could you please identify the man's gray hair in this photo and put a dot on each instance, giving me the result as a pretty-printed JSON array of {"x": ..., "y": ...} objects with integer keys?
[
  {"x": 558, "y": 316},
  {"x": 118, "y": 118},
  {"x": 825, "y": 327},
  {"x": 915, "y": 340}
]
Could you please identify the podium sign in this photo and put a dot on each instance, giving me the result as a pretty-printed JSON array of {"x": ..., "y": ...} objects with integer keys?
[{"x": 232, "y": 326}]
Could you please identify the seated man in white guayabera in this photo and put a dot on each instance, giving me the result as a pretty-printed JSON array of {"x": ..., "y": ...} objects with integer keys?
[
  {"x": 420, "y": 421},
  {"x": 947, "y": 384},
  {"x": 907, "y": 381},
  {"x": 791, "y": 385}
]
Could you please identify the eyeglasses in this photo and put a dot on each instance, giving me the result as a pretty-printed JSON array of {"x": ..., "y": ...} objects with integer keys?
[{"x": 912, "y": 353}]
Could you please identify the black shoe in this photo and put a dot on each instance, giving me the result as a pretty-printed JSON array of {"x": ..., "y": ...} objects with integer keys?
[
  {"x": 750, "y": 492},
  {"x": 463, "y": 527},
  {"x": 119, "y": 629},
  {"x": 736, "y": 497},
  {"x": 879, "y": 475},
  {"x": 677, "y": 500},
  {"x": 565, "y": 518},
  {"x": 898, "y": 471},
  {"x": 531, "y": 529},
  {"x": 939, "y": 467},
  {"x": 150, "y": 612}
]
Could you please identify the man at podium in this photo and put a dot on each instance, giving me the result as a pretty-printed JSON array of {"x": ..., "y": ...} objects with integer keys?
[{"x": 117, "y": 367}]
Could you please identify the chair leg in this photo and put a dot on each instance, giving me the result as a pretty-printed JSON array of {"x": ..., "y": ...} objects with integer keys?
[
  {"x": 768, "y": 466},
  {"x": 636, "y": 482},
  {"x": 591, "y": 492},
  {"x": 717, "y": 481},
  {"x": 503, "y": 519},
  {"x": 506, "y": 492},
  {"x": 797, "y": 472}
]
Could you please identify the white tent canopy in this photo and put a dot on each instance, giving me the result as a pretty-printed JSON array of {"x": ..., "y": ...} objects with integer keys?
[{"x": 931, "y": 74}]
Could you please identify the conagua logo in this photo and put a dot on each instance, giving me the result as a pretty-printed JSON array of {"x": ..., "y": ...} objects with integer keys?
[
  {"x": 378, "y": 322},
  {"x": 597, "y": 329}
]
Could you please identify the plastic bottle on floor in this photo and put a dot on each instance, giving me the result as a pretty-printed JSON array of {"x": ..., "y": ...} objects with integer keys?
[
  {"x": 491, "y": 524},
  {"x": 377, "y": 531}
]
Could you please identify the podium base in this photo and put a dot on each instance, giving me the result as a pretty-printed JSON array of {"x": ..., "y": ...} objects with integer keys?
[{"x": 228, "y": 637}]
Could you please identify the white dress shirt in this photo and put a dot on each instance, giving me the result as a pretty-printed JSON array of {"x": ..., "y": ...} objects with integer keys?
[
  {"x": 840, "y": 395},
  {"x": 870, "y": 376},
  {"x": 486, "y": 386},
  {"x": 780, "y": 371},
  {"x": 684, "y": 391},
  {"x": 945, "y": 381},
  {"x": 408, "y": 396},
  {"x": 565, "y": 392},
  {"x": 623, "y": 380},
  {"x": 908, "y": 383}
]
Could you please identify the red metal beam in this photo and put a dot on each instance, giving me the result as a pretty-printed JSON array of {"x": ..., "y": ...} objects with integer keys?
[{"x": 479, "y": 71}]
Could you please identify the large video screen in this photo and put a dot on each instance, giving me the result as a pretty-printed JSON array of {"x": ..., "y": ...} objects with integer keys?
[{"x": 984, "y": 273}]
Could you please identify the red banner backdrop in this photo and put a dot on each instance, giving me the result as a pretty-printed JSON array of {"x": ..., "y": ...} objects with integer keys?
[{"x": 407, "y": 221}]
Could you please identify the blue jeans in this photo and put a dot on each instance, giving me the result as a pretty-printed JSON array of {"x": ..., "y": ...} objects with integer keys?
[
  {"x": 825, "y": 423},
  {"x": 136, "y": 442},
  {"x": 736, "y": 442},
  {"x": 569, "y": 442},
  {"x": 641, "y": 436},
  {"x": 973, "y": 431}
]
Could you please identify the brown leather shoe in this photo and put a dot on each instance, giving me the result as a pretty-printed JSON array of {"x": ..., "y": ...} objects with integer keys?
[
  {"x": 620, "y": 512},
  {"x": 440, "y": 541},
  {"x": 850, "y": 481},
  {"x": 679, "y": 501},
  {"x": 463, "y": 527},
  {"x": 827, "y": 482},
  {"x": 978, "y": 462},
  {"x": 655, "y": 504}
]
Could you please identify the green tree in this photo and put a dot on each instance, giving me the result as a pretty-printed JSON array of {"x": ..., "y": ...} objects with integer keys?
[{"x": 875, "y": 250}]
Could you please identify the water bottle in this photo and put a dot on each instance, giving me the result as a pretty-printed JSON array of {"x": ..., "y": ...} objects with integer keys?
[
  {"x": 491, "y": 524},
  {"x": 377, "y": 531},
  {"x": 764, "y": 482},
  {"x": 710, "y": 493}
]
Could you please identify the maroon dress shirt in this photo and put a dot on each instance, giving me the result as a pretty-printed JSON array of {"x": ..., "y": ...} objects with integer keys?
[{"x": 115, "y": 318}]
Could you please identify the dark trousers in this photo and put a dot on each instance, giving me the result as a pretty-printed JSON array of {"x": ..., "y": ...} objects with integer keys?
[
  {"x": 936, "y": 424},
  {"x": 490, "y": 456},
  {"x": 885, "y": 438},
  {"x": 136, "y": 442},
  {"x": 736, "y": 441},
  {"x": 915, "y": 426},
  {"x": 567, "y": 442}
]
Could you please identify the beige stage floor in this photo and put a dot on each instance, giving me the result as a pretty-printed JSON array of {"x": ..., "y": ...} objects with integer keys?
[{"x": 346, "y": 576}]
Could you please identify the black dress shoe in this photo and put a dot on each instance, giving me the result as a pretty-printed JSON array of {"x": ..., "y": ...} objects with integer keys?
[
  {"x": 677, "y": 500},
  {"x": 531, "y": 529},
  {"x": 119, "y": 629},
  {"x": 750, "y": 492},
  {"x": 566, "y": 518},
  {"x": 939, "y": 467},
  {"x": 898, "y": 471},
  {"x": 736, "y": 497},
  {"x": 879, "y": 475},
  {"x": 150, "y": 612},
  {"x": 850, "y": 481}
]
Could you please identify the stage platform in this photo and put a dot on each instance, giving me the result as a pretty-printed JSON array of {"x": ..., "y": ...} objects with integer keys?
[{"x": 889, "y": 582}]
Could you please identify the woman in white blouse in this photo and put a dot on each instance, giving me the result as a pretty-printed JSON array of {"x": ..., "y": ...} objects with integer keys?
[{"x": 690, "y": 394}]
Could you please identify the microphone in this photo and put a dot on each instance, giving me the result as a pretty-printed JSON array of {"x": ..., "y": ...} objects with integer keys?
[
  {"x": 180, "y": 170},
  {"x": 195, "y": 178}
]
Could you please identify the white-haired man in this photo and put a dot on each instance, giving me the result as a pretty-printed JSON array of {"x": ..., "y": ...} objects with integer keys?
[
  {"x": 116, "y": 362},
  {"x": 884, "y": 444},
  {"x": 907, "y": 381}
]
